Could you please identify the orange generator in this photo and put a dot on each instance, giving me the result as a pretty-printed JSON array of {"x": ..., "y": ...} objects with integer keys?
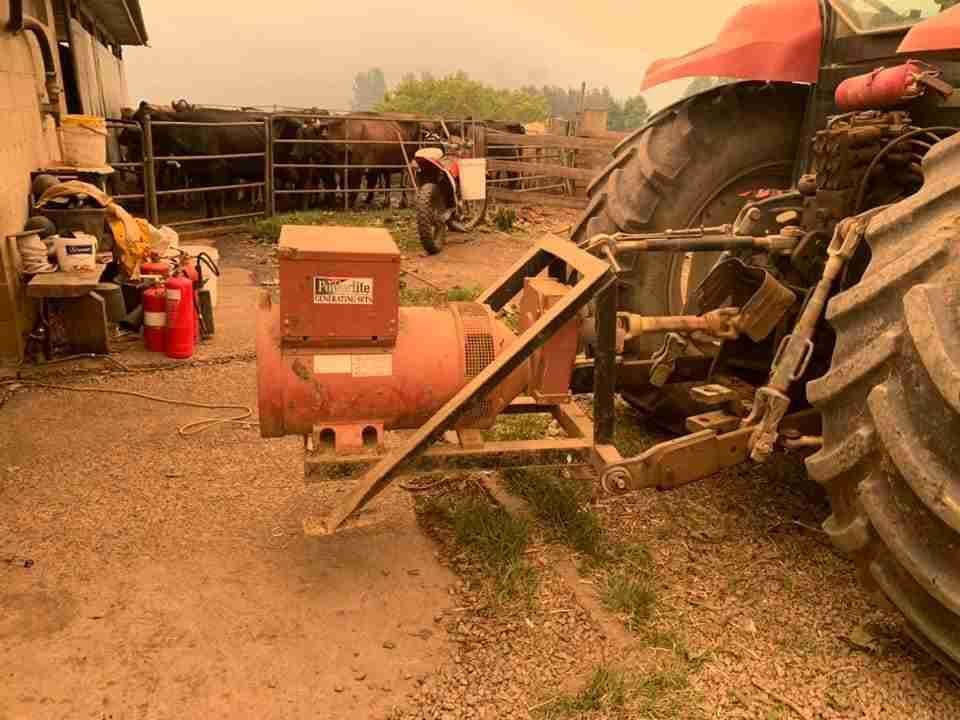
[{"x": 338, "y": 359}]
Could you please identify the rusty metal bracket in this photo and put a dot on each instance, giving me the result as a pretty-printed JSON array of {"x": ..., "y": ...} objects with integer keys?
[
  {"x": 692, "y": 457},
  {"x": 664, "y": 361},
  {"x": 595, "y": 277},
  {"x": 796, "y": 350},
  {"x": 472, "y": 452}
]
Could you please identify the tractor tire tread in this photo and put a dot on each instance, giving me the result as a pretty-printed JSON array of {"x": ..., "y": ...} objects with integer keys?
[
  {"x": 662, "y": 175},
  {"x": 891, "y": 409}
]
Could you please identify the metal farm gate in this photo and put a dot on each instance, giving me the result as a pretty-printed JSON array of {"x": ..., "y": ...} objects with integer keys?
[
  {"x": 315, "y": 155},
  {"x": 151, "y": 160},
  {"x": 547, "y": 169},
  {"x": 150, "y": 164},
  {"x": 335, "y": 157}
]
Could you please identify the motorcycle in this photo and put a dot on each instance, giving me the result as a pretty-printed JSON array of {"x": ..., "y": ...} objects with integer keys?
[{"x": 440, "y": 202}]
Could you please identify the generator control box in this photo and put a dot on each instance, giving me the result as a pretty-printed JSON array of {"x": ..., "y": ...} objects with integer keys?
[{"x": 339, "y": 286}]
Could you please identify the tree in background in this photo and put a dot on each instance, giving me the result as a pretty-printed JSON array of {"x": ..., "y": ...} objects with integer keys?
[
  {"x": 565, "y": 103},
  {"x": 457, "y": 96},
  {"x": 629, "y": 115},
  {"x": 702, "y": 84},
  {"x": 369, "y": 89}
]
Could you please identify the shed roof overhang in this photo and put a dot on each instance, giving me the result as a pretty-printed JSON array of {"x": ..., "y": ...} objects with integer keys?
[{"x": 123, "y": 19}]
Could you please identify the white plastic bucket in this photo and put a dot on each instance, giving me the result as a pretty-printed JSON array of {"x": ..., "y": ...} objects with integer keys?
[
  {"x": 84, "y": 141},
  {"x": 210, "y": 280},
  {"x": 473, "y": 178},
  {"x": 77, "y": 254}
]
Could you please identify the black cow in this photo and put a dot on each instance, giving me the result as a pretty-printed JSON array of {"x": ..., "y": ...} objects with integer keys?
[{"x": 173, "y": 140}]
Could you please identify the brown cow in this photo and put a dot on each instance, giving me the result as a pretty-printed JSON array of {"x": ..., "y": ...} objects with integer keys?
[{"x": 379, "y": 154}]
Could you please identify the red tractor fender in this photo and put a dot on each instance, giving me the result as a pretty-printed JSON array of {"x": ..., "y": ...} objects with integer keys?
[
  {"x": 941, "y": 32},
  {"x": 770, "y": 40}
]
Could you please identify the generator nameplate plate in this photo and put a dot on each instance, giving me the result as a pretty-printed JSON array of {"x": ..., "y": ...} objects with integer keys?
[
  {"x": 373, "y": 365},
  {"x": 342, "y": 290},
  {"x": 332, "y": 365}
]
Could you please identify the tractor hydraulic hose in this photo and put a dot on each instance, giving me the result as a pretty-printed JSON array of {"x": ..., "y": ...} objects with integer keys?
[{"x": 865, "y": 181}]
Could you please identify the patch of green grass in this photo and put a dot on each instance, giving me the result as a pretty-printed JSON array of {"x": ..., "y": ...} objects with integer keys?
[
  {"x": 677, "y": 644},
  {"x": 561, "y": 506},
  {"x": 631, "y": 437},
  {"x": 632, "y": 434},
  {"x": 626, "y": 557},
  {"x": 517, "y": 580},
  {"x": 667, "y": 640},
  {"x": 658, "y": 695},
  {"x": 504, "y": 219},
  {"x": 606, "y": 690},
  {"x": 338, "y": 471},
  {"x": 631, "y": 595},
  {"x": 401, "y": 223},
  {"x": 496, "y": 536},
  {"x": 510, "y": 317},
  {"x": 492, "y": 537},
  {"x": 459, "y": 294},
  {"x": 429, "y": 297},
  {"x": 528, "y": 426}
]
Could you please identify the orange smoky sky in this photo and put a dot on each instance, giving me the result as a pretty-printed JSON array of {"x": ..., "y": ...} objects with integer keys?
[{"x": 306, "y": 53}]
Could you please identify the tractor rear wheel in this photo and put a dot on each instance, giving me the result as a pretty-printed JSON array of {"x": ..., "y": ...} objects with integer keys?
[
  {"x": 891, "y": 410},
  {"x": 692, "y": 165}
]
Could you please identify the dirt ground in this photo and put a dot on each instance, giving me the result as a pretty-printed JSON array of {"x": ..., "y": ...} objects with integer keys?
[{"x": 148, "y": 575}]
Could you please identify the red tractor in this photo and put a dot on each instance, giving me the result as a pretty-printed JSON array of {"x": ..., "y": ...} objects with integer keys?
[
  {"x": 774, "y": 263},
  {"x": 820, "y": 197}
]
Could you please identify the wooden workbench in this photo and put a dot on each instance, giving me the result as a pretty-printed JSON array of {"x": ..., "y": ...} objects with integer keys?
[
  {"x": 84, "y": 310},
  {"x": 61, "y": 285}
]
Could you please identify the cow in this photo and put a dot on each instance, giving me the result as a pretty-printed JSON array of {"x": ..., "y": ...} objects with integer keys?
[
  {"x": 310, "y": 152},
  {"x": 386, "y": 145},
  {"x": 172, "y": 140}
]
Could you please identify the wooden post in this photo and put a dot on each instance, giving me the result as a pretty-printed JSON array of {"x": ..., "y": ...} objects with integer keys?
[
  {"x": 480, "y": 143},
  {"x": 593, "y": 123}
]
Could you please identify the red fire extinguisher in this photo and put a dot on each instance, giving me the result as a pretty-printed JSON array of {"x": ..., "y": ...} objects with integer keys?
[
  {"x": 193, "y": 273},
  {"x": 181, "y": 318},
  {"x": 154, "y": 319}
]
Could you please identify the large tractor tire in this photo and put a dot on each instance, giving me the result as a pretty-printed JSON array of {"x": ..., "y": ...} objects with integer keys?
[
  {"x": 891, "y": 410},
  {"x": 692, "y": 165}
]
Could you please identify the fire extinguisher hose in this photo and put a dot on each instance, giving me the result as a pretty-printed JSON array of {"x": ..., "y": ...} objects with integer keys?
[{"x": 242, "y": 416}]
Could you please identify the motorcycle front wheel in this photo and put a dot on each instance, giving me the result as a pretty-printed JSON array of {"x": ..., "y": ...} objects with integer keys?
[
  {"x": 431, "y": 207},
  {"x": 474, "y": 212}
]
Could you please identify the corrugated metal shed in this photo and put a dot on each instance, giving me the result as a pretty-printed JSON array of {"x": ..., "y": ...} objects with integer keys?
[{"x": 122, "y": 18}]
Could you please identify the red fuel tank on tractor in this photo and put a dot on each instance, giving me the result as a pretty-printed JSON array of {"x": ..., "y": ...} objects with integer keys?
[{"x": 338, "y": 359}]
